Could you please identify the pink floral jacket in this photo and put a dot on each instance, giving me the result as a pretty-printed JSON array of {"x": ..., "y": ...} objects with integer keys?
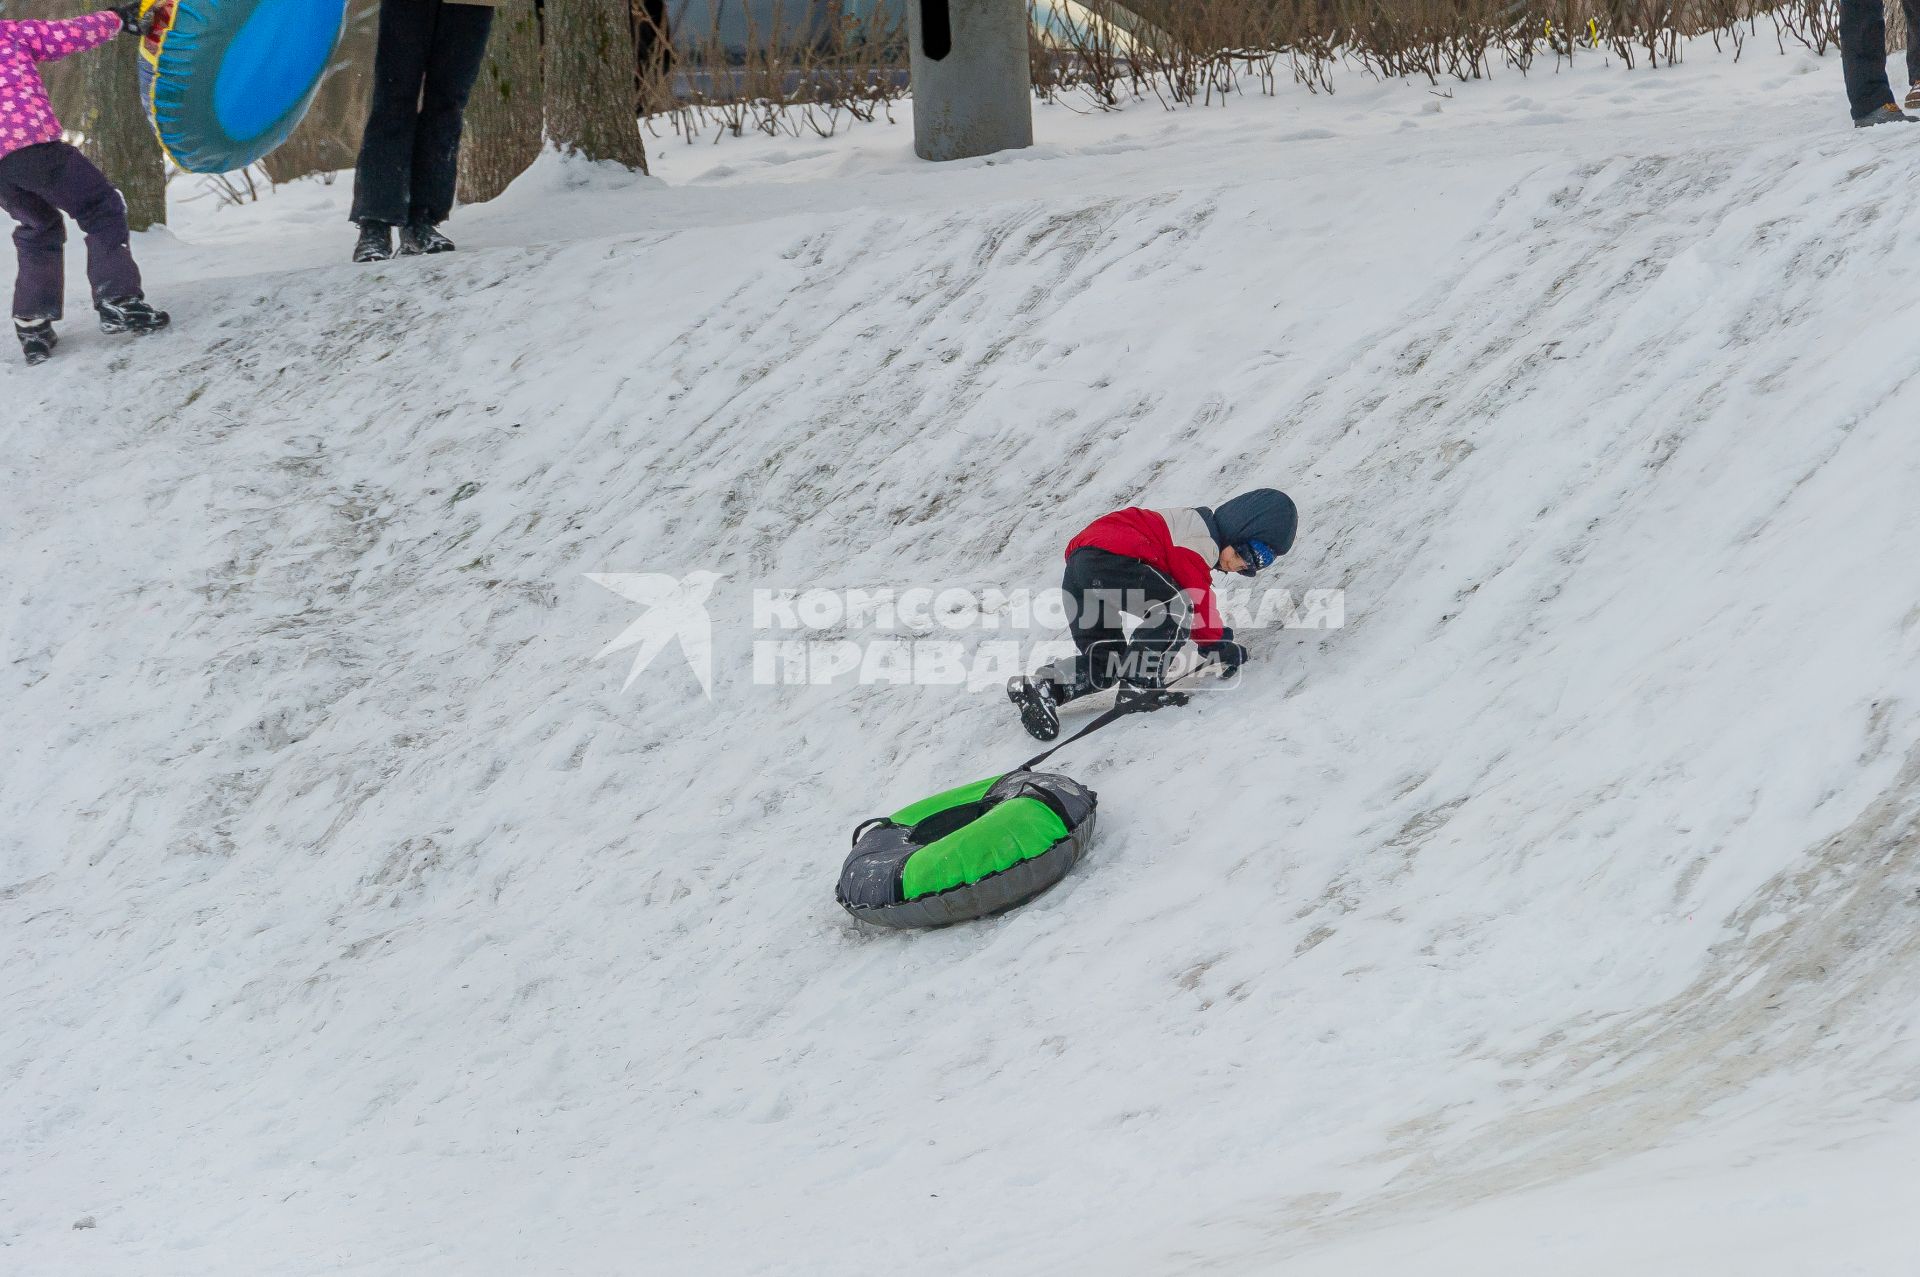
[{"x": 26, "y": 116}]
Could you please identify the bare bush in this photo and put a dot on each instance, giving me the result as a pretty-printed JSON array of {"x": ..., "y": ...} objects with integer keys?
[
  {"x": 841, "y": 66},
  {"x": 1194, "y": 52},
  {"x": 1814, "y": 23}
]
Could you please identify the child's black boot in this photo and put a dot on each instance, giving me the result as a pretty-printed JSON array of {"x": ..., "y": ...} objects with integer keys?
[
  {"x": 130, "y": 315},
  {"x": 37, "y": 339}
]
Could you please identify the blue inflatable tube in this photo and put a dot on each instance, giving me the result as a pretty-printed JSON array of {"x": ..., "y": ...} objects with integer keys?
[{"x": 225, "y": 81}]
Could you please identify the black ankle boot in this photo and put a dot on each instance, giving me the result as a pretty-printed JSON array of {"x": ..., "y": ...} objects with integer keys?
[
  {"x": 419, "y": 237},
  {"x": 37, "y": 339},
  {"x": 375, "y": 243},
  {"x": 129, "y": 315}
]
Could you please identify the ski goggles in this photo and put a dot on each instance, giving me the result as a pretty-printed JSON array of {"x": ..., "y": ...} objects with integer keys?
[{"x": 1259, "y": 556}]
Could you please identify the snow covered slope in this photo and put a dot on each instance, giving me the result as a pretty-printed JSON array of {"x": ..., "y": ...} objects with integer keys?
[{"x": 1557, "y": 914}]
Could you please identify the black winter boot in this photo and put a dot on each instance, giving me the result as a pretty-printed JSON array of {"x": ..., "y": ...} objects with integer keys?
[
  {"x": 1034, "y": 698},
  {"x": 1068, "y": 679},
  {"x": 37, "y": 339},
  {"x": 375, "y": 243},
  {"x": 130, "y": 315},
  {"x": 422, "y": 237}
]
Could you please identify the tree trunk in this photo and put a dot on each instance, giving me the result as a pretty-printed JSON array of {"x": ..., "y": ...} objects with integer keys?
[
  {"x": 502, "y": 135},
  {"x": 118, "y": 136},
  {"x": 590, "y": 62}
]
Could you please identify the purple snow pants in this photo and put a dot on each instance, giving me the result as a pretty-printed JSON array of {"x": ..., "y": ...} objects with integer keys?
[{"x": 37, "y": 184}]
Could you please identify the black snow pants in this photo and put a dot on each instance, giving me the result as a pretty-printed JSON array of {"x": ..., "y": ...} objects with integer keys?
[
  {"x": 1863, "y": 52},
  {"x": 1100, "y": 587},
  {"x": 428, "y": 56},
  {"x": 37, "y": 184}
]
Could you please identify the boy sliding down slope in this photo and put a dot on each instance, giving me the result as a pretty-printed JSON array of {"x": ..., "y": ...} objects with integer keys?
[
  {"x": 41, "y": 177},
  {"x": 1155, "y": 565}
]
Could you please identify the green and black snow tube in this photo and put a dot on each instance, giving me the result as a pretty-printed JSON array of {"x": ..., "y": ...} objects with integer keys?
[{"x": 967, "y": 853}]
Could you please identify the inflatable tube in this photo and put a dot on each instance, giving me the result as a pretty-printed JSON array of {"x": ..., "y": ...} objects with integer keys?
[
  {"x": 969, "y": 852},
  {"x": 225, "y": 81}
]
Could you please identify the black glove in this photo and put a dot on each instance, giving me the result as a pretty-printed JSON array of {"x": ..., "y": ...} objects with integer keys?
[
  {"x": 1228, "y": 654},
  {"x": 130, "y": 23}
]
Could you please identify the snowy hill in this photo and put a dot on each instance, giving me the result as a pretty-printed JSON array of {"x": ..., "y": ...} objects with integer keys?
[{"x": 1555, "y": 914}]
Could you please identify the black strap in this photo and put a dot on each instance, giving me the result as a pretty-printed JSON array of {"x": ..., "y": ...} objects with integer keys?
[
  {"x": 1123, "y": 707},
  {"x": 1120, "y": 710}
]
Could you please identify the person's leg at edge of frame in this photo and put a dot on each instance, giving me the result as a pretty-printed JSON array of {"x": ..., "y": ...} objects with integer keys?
[
  {"x": 1863, "y": 62},
  {"x": 1910, "y": 9}
]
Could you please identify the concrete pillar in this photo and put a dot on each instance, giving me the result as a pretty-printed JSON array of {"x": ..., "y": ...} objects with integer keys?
[{"x": 972, "y": 92}]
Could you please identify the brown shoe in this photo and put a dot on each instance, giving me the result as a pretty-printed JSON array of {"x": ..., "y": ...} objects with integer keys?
[{"x": 1913, "y": 96}]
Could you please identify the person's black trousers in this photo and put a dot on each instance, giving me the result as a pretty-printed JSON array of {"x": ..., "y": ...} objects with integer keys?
[
  {"x": 1863, "y": 52},
  {"x": 428, "y": 56},
  {"x": 1100, "y": 586}
]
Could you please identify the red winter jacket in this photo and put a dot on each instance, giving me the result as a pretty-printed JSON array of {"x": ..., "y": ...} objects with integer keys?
[{"x": 1175, "y": 543}]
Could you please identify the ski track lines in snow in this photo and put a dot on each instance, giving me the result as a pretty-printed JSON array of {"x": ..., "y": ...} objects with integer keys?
[{"x": 355, "y": 924}]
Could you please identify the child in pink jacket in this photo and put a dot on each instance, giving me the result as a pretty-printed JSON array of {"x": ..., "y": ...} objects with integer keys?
[{"x": 42, "y": 177}]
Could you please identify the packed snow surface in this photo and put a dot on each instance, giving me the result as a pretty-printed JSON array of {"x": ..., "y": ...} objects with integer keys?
[{"x": 1558, "y": 913}]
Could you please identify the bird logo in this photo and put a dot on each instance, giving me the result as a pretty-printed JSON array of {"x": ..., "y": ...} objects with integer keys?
[{"x": 676, "y": 610}]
